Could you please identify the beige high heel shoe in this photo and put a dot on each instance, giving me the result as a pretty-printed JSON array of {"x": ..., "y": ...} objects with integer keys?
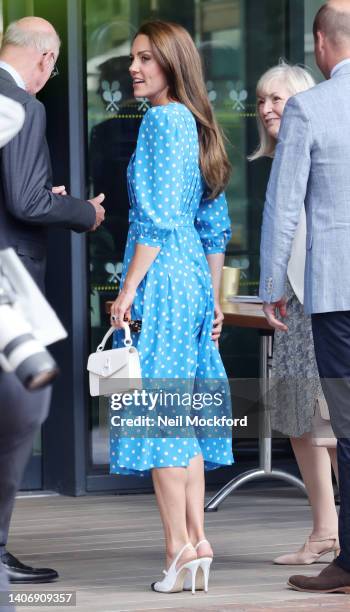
[
  {"x": 305, "y": 556},
  {"x": 202, "y": 575}
]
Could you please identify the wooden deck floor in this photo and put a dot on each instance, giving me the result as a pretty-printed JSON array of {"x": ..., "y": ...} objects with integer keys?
[{"x": 110, "y": 548}]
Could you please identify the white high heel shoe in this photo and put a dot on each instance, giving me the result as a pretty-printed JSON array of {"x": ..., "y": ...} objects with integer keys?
[
  {"x": 174, "y": 579},
  {"x": 202, "y": 577}
]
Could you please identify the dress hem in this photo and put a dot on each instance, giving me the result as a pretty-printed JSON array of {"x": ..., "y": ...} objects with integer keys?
[{"x": 208, "y": 466}]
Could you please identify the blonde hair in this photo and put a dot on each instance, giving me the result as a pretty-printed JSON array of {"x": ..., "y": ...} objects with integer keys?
[
  {"x": 178, "y": 57},
  {"x": 41, "y": 40},
  {"x": 296, "y": 79}
]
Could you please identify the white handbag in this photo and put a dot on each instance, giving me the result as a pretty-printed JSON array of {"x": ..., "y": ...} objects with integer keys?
[{"x": 117, "y": 370}]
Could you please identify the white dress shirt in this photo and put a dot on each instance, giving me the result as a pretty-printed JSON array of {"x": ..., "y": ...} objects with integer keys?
[
  {"x": 17, "y": 77},
  {"x": 11, "y": 119}
]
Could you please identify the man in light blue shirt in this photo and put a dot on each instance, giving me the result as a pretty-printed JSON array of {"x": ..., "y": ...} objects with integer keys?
[{"x": 312, "y": 165}]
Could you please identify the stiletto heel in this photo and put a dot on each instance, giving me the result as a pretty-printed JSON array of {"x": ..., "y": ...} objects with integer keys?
[
  {"x": 204, "y": 564},
  {"x": 192, "y": 567},
  {"x": 202, "y": 577},
  {"x": 174, "y": 579}
]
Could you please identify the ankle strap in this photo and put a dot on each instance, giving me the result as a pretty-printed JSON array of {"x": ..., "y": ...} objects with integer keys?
[
  {"x": 201, "y": 542},
  {"x": 324, "y": 539},
  {"x": 180, "y": 553}
]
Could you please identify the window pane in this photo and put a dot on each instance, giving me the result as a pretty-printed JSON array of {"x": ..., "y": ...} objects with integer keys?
[{"x": 238, "y": 40}]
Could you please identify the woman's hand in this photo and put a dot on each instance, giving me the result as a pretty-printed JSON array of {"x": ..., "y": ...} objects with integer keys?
[
  {"x": 141, "y": 261},
  {"x": 121, "y": 307},
  {"x": 217, "y": 323}
]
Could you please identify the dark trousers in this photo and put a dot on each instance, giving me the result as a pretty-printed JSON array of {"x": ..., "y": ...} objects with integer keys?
[
  {"x": 331, "y": 332},
  {"x": 21, "y": 414}
]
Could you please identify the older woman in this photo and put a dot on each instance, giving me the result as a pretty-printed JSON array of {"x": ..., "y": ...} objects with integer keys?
[{"x": 298, "y": 388}]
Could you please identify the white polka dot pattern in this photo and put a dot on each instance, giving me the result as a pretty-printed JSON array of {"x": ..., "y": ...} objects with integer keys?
[{"x": 174, "y": 300}]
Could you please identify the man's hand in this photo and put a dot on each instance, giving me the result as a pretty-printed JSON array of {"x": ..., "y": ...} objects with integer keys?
[
  {"x": 100, "y": 211},
  {"x": 270, "y": 311},
  {"x": 60, "y": 190}
]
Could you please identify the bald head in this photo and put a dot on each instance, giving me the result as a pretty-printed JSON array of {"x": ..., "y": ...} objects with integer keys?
[
  {"x": 35, "y": 23},
  {"x": 332, "y": 35},
  {"x": 333, "y": 20},
  {"x": 32, "y": 32},
  {"x": 339, "y": 5},
  {"x": 31, "y": 46}
]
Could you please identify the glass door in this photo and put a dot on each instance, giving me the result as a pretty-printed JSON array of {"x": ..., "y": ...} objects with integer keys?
[{"x": 238, "y": 40}]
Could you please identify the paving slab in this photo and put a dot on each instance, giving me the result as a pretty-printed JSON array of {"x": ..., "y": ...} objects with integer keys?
[{"x": 108, "y": 549}]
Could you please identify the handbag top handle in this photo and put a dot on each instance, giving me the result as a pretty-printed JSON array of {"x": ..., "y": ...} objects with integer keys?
[{"x": 127, "y": 340}]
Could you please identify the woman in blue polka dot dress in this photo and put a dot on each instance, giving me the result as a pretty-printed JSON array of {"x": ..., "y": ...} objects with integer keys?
[{"x": 179, "y": 228}]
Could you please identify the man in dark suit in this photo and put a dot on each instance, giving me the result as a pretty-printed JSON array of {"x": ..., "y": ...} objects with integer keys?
[{"x": 29, "y": 205}]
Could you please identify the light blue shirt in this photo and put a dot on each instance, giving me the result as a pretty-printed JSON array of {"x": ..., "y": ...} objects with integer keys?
[
  {"x": 17, "y": 77},
  {"x": 339, "y": 65}
]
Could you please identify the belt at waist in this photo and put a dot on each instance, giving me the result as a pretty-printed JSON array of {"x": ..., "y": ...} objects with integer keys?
[
  {"x": 178, "y": 224},
  {"x": 184, "y": 224}
]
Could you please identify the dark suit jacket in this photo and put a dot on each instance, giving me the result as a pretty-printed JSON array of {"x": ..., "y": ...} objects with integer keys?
[{"x": 27, "y": 205}]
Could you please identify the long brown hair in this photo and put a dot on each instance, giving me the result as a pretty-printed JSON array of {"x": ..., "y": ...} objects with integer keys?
[{"x": 178, "y": 57}]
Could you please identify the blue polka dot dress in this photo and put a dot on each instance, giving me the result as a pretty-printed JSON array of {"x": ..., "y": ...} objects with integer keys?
[{"x": 174, "y": 300}]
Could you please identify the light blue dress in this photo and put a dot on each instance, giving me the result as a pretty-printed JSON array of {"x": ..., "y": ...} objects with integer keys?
[{"x": 174, "y": 300}]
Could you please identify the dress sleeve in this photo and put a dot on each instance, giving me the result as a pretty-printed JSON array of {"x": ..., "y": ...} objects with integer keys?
[
  {"x": 158, "y": 177},
  {"x": 213, "y": 224}
]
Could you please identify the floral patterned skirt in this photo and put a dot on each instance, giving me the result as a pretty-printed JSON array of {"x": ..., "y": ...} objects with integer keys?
[{"x": 295, "y": 383}]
